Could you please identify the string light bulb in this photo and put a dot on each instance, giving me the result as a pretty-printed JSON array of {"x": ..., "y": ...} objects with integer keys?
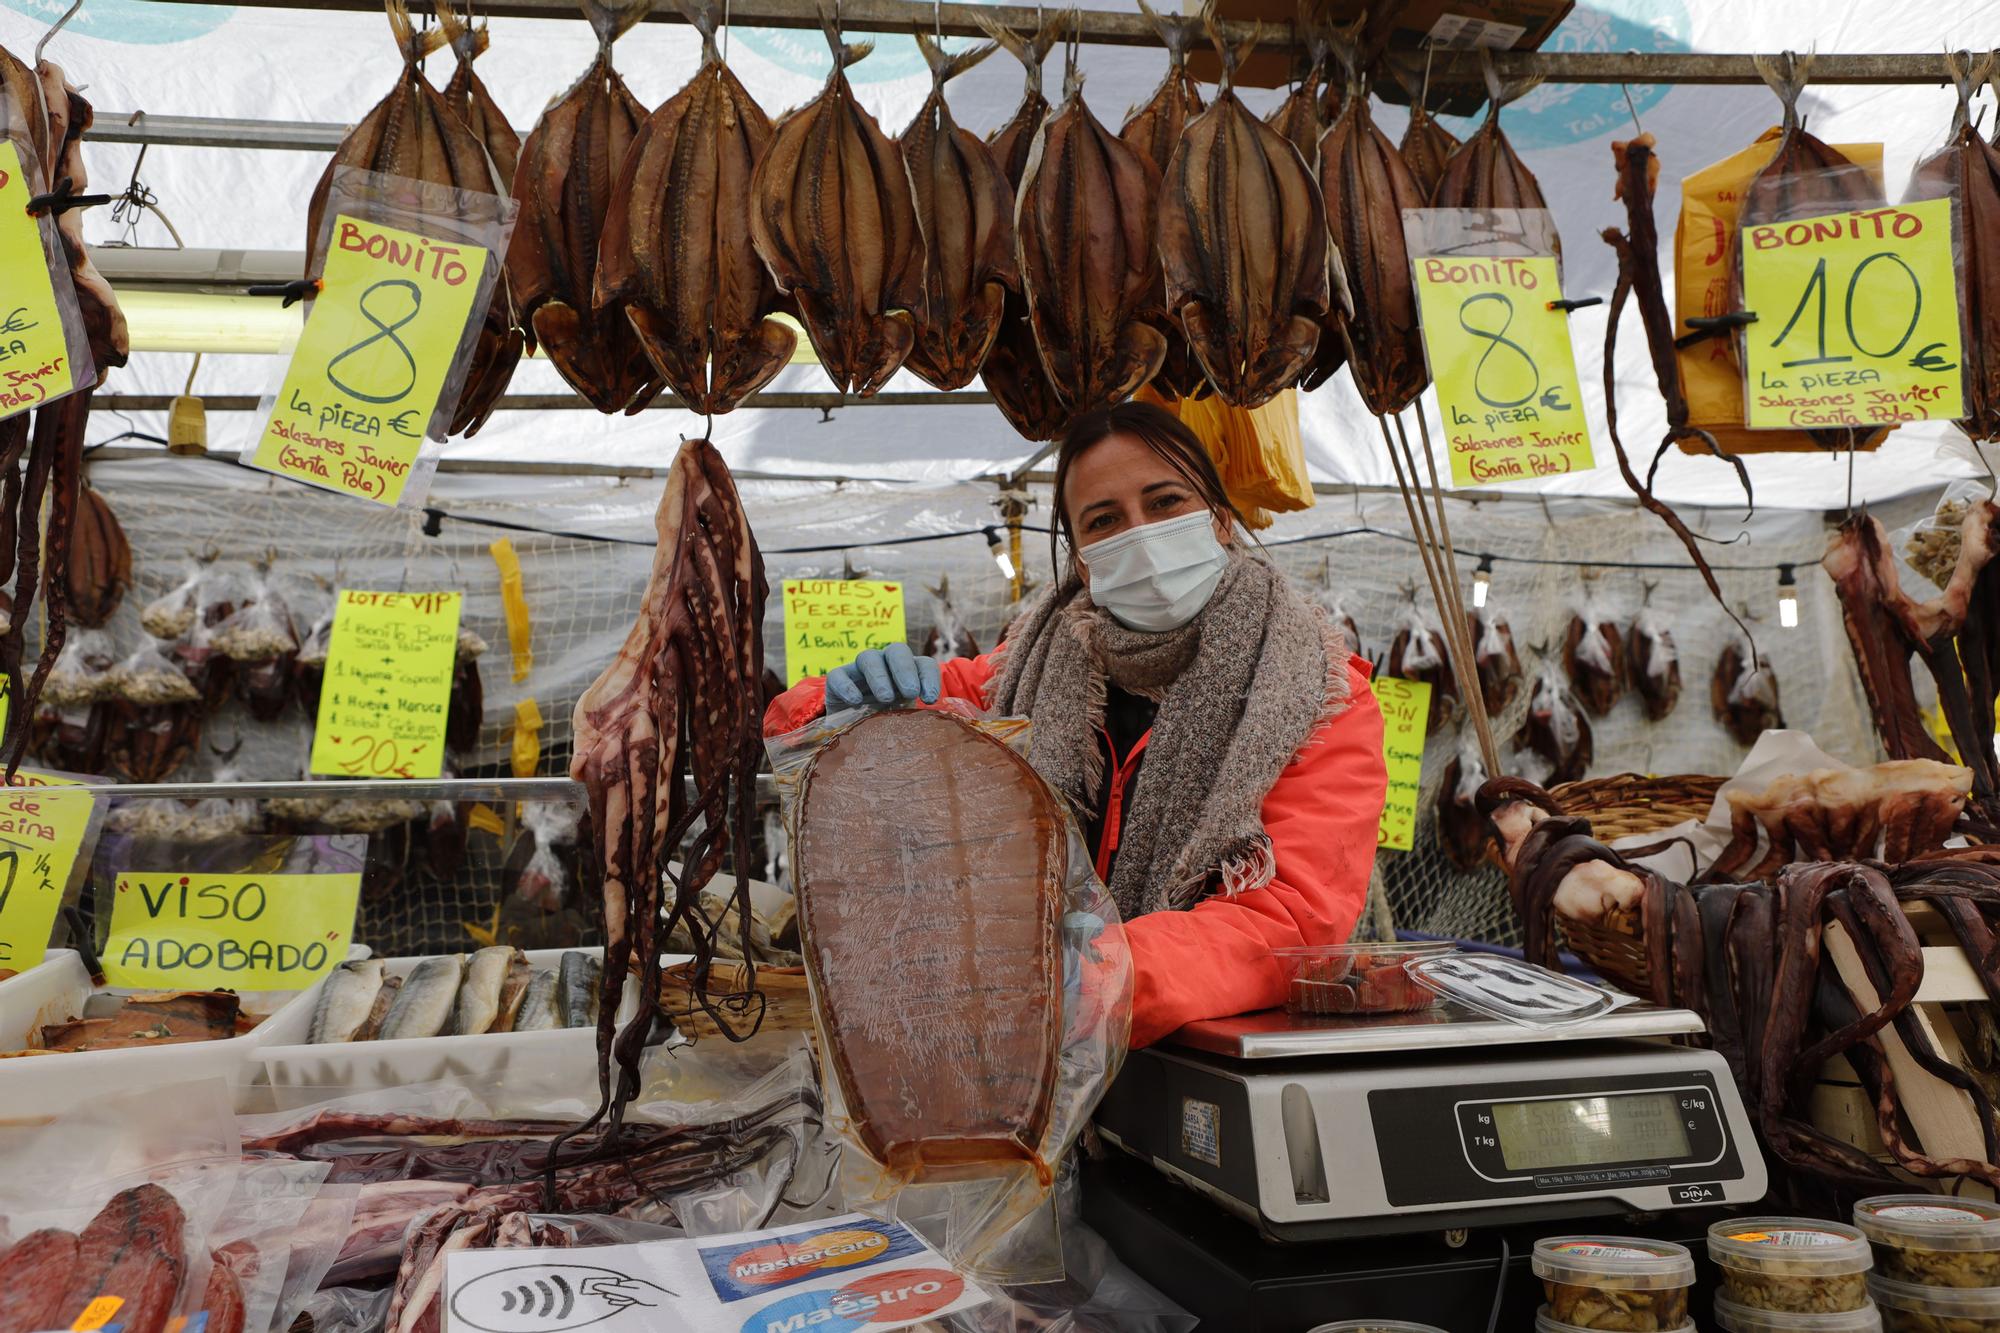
[
  {"x": 998, "y": 547},
  {"x": 1788, "y": 598},
  {"x": 1482, "y": 578}
]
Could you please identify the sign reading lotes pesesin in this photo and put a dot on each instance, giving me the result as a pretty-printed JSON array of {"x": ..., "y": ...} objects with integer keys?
[
  {"x": 1406, "y": 714},
  {"x": 1857, "y": 319},
  {"x": 1500, "y": 355},
  {"x": 371, "y": 365},
  {"x": 828, "y": 621}
]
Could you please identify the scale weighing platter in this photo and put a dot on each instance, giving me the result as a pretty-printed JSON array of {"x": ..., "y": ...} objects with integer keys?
[{"x": 1312, "y": 1129}]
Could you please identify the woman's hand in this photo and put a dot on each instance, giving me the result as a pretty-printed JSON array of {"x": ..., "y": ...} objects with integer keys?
[{"x": 884, "y": 678}]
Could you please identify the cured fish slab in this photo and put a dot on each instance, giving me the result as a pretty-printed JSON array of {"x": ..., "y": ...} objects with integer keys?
[{"x": 930, "y": 862}]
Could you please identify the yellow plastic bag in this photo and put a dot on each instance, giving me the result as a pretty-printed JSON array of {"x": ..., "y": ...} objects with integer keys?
[
  {"x": 1711, "y": 379},
  {"x": 520, "y": 640},
  {"x": 1258, "y": 451}
]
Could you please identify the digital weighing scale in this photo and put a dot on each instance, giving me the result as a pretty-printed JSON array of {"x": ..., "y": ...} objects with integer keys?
[{"x": 1311, "y": 1129}]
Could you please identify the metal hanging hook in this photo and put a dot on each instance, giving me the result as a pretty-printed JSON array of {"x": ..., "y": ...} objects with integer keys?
[
  {"x": 55, "y": 28},
  {"x": 1632, "y": 107}
]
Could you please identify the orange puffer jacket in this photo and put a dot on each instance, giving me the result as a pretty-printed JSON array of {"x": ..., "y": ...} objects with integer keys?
[{"x": 1215, "y": 960}]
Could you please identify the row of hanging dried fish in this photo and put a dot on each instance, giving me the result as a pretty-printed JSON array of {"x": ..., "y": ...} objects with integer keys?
[{"x": 1198, "y": 248}]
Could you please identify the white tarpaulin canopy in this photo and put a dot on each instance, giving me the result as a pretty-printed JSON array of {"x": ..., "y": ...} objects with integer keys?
[{"x": 307, "y": 65}]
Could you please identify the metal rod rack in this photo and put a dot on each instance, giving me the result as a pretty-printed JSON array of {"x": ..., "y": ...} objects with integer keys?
[{"x": 559, "y": 402}]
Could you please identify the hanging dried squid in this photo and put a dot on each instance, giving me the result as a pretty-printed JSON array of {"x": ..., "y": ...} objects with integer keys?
[
  {"x": 501, "y": 341},
  {"x": 1012, "y": 371},
  {"x": 1243, "y": 242},
  {"x": 1153, "y": 131},
  {"x": 675, "y": 263},
  {"x": 1967, "y": 169},
  {"x": 832, "y": 216},
  {"x": 1086, "y": 219},
  {"x": 965, "y": 213},
  {"x": 418, "y": 134},
  {"x": 681, "y": 700},
  {"x": 1366, "y": 187},
  {"x": 569, "y": 166},
  {"x": 46, "y": 118}
]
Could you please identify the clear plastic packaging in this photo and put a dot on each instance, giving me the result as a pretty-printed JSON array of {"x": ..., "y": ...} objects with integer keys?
[
  {"x": 1931, "y": 1240},
  {"x": 1355, "y": 978},
  {"x": 1930, "y": 545},
  {"x": 1513, "y": 991},
  {"x": 1731, "y": 1317},
  {"x": 1548, "y": 1323},
  {"x": 259, "y": 630},
  {"x": 171, "y": 615},
  {"x": 1909, "y": 1308},
  {"x": 1793, "y": 1265},
  {"x": 1615, "y": 1282},
  {"x": 149, "y": 677},
  {"x": 977, "y": 1177},
  {"x": 82, "y": 674}
]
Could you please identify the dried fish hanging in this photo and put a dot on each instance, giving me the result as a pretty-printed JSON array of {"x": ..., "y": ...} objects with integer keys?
[
  {"x": 965, "y": 214},
  {"x": 1485, "y": 171},
  {"x": 1967, "y": 169},
  {"x": 832, "y": 216},
  {"x": 1461, "y": 827},
  {"x": 1499, "y": 666},
  {"x": 1556, "y": 728},
  {"x": 682, "y": 700},
  {"x": 417, "y": 134},
  {"x": 1743, "y": 693},
  {"x": 1153, "y": 131},
  {"x": 564, "y": 183},
  {"x": 1654, "y": 662},
  {"x": 1012, "y": 371},
  {"x": 1243, "y": 242},
  {"x": 675, "y": 264},
  {"x": 1427, "y": 146},
  {"x": 1086, "y": 222},
  {"x": 46, "y": 118},
  {"x": 1301, "y": 117},
  {"x": 100, "y": 568},
  {"x": 1418, "y": 652},
  {"x": 501, "y": 342},
  {"x": 1594, "y": 656}
]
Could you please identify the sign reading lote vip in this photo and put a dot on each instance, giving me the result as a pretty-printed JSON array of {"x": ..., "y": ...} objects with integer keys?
[
  {"x": 387, "y": 692},
  {"x": 1857, "y": 319},
  {"x": 1505, "y": 372},
  {"x": 370, "y": 366}
]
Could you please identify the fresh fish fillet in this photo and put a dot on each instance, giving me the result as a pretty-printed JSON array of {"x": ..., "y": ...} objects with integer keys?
[
  {"x": 423, "y": 1006},
  {"x": 379, "y": 1011},
  {"x": 582, "y": 978},
  {"x": 538, "y": 1006},
  {"x": 479, "y": 993},
  {"x": 345, "y": 1001}
]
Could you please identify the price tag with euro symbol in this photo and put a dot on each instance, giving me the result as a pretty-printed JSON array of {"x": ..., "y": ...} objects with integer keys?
[{"x": 370, "y": 366}]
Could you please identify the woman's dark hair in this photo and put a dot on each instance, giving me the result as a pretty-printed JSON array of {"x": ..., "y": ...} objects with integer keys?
[{"x": 1160, "y": 431}]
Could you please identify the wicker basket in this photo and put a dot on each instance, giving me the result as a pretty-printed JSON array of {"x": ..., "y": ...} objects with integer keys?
[
  {"x": 787, "y": 1006},
  {"x": 1623, "y": 806}
]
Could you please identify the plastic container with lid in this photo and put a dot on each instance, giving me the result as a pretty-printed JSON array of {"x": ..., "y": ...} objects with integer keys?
[
  {"x": 1733, "y": 1318},
  {"x": 1614, "y": 1282},
  {"x": 1933, "y": 1241},
  {"x": 1792, "y": 1265},
  {"x": 1908, "y": 1308},
  {"x": 1548, "y": 1323},
  {"x": 1331, "y": 980}
]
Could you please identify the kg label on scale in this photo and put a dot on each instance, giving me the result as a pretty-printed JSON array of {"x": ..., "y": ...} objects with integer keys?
[
  {"x": 386, "y": 696},
  {"x": 371, "y": 364},
  {"x": 1505, "y": 372},
  {"x": 1857, "y": 319}
]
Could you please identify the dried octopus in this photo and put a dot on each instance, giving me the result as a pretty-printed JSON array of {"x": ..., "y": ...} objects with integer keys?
[
  {"x": 1894, "y": 811},
  {"x": 681, "y": 700},
  {"x": 1748, "y": 958},
  {"x": 675, "y": 262},
  {"x": 46, "y": 119}
]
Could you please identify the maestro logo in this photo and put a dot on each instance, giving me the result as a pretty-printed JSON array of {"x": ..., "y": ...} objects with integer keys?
[
  {"x": 754, "y": 1268},
  {"x": 804, "y": 51},
  {"x": 899, "y": 1296},
  {"x": 137, "y": 22},
  {"x": 1557, "y": 114}
]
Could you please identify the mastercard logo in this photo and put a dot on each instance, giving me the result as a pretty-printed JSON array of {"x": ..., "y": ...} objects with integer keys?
[{"x": 786, "y": 1261}]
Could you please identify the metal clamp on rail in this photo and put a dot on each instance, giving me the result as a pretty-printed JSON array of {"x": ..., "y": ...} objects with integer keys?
[
  {"x": 298, "y": 289},
  {"x": 1568, "y": 304},
  {"x": 1714, "y": 326},
  {"x": 62, "y": 199}
]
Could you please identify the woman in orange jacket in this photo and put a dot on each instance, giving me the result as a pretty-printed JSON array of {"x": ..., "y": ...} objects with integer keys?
[{"x": 1217, "y": 738}]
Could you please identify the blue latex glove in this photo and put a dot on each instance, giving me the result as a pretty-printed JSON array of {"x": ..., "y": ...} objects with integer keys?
[{"x": 884, "y": 678}]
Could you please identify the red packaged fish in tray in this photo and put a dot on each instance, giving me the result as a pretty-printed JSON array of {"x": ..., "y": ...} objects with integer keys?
[{"x": 1341, "y": 979}]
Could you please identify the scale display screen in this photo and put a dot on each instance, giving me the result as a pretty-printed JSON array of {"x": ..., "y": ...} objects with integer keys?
[{"x": 1556, "y": 1133}]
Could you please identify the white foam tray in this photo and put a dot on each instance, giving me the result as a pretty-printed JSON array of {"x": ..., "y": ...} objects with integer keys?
[
  {"x": 36, "y": 1087},
  {"x": 301, "y": 1074}
]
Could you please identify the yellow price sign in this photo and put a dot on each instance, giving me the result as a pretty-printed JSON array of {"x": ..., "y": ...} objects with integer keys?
[
  {"x": 1504, "y": 369},
  {"x": 174, "y": 931},
  {"x": 1406, "y": 716},
  {"x": 365, "y": 378},
  {"x": 828, "y": 621},
  {"x": 42, "y": 831},
  {"x": 1857, "y": 319},
  {"x": 34, "y": 351},
  {"x": 387, "y": 690}
]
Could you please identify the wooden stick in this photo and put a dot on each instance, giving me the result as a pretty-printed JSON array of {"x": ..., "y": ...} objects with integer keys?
[{"x": 1477, "y": 703}]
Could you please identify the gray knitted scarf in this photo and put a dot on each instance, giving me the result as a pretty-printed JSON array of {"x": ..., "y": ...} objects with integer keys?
[{"x": 1241, "y": 689}]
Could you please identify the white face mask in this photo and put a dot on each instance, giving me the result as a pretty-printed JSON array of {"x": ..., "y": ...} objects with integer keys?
[{"x": 1157, "y": 577}]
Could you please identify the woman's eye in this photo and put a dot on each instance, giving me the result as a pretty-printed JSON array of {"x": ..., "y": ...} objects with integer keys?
[
  {"x": 1166, "y": 502},
  {"x": 1100, "y": 523}
]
